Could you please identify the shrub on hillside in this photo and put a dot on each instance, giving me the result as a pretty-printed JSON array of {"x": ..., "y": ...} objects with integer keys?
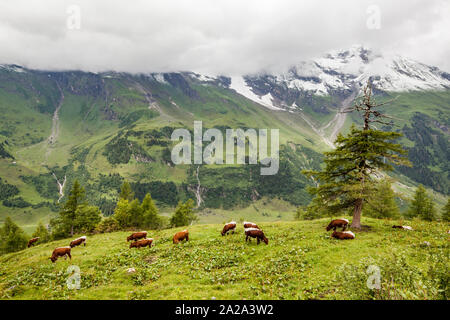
[
  {"x": 12, "y": 238},
  {"x": 107, "y": 225}
]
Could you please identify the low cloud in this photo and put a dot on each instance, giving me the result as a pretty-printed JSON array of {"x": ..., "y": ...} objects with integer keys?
[{"x": 226, "y": 37}]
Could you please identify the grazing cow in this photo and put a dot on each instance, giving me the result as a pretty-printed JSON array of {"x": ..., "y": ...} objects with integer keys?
[
  {"x": 255, "y": 233},
  {"x": 142, "y": 243},
  {"x": 180, "y": 236},
  {"x": 230, "y": 226},
  {"x": 402, "y": 227},
  {"x": 61, "y": 252},
  {"x": 77, "y": 242},
  {"x": 32, "y": 241},
  {"x": 137, "y": 235},
  {"x": 344, "y": 235},
  {"x": 250, "y": 225},
  {"x": 338, "y": 223}
]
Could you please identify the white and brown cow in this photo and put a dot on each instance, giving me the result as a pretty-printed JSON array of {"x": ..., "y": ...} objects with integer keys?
[
  {"x": 344, "y": 235},
  {"x": 250, "y": 225},
  {"x": 338, "y": 223},
  {"x": 78, "y": 241},
  {"x": 402, "y": 227},
  {"x": 61, "y": 252},
  {"x": 255, "y": 233},
  {"x": 230, "y": 226}
]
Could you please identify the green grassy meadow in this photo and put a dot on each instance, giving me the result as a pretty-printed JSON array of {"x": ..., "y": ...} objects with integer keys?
[{"x": 301, "y": 261}]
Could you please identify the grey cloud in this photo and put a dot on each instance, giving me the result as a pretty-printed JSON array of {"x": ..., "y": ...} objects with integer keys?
[{"x": 227, "y": 37}]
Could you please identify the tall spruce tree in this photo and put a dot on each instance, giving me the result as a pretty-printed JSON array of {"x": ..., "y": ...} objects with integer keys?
[
  {"x": 347, "y": 180},
  {"x": 69, "y": 210}
]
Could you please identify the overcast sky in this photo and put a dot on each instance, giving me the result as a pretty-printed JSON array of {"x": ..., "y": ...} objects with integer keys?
[{"x": 214, "y": 36}]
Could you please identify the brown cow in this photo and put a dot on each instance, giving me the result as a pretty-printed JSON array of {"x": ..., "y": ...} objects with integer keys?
[
  {"x": 338, "y": 223},
  {"x": 142, "y": 243},
  {"x": 61, "y": 252},
  {"x": 402, "y": 227},
  {"x": 78, "y": 241},
  {"x": 255, "y": 233},
  {"x": 344, "y": 235},
  {"x": 250, "y": 225},
  {"x": 32, "y": 241},
  {"x": 180, "y": 236},
  {"x": 137, "y": 235},
  {"x": 230, "y": 226}
]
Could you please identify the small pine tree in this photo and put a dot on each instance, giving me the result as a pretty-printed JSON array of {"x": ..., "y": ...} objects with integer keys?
[
  {"x": 87, "y": 218},
  {"x": 446, "y": 211},
  {"x": 184, "y": 214},
  {"x": 126, "y": 192},
  {"x": 150, "y": 213},
  {"x": 382, "y": 203},
  {"x": 41, "y": 232},
  {"x": 136, "y": 214},
  {"x": 12, "y": 237},
  {"x": 422, "y": 206},
  {"x": 122, "y": 213}
]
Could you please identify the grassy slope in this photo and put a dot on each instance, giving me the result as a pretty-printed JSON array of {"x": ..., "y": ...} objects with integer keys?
[
  {"x": 82, "y": 124},
  {"x": 300, "y": 262}
]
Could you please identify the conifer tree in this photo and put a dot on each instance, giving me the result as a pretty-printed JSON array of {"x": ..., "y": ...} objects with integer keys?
[
  {"x": 12, "y": 237},
  {"x": 150, "y": 213},
  {"x": 125, "y": 192},
  {"x": 382, "y": 203},
  {"x": 184, "y": 214},
  {"x": 422, "y": 206},
  {"x": 347, "y": 180},
  {"x": 69, "y": 210}
]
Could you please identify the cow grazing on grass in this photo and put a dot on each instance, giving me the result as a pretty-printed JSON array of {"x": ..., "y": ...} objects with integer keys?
[
  {"x": 61, "y": 252},
  {"x": 32, "y": 241},
  {"x": 230, "y": 226},
  {"x": 137, "y": 235},
  {"x": 338, "y": 223},
  {"x": 142, "y": 243},
  {"x": 402, "y": 227},
  {"x": 344, "y": 235},
  {"x": 255, "y": 233},
  {"x": 77, "y": 242},
  {"x": 180, "y": 236},
  {"x": 250, "y": 225}
]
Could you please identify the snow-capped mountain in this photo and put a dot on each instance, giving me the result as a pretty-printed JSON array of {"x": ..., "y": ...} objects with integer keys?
[{"x": 340, "y": 72}]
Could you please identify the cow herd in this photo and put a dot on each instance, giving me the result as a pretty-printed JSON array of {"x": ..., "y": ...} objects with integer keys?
[{"x": 251, "y": 230}]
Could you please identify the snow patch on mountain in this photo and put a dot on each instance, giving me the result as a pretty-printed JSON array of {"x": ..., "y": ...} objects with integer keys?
[
  {"x": 239, "y": 85},
  {"x": 12, "y": 67}
]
